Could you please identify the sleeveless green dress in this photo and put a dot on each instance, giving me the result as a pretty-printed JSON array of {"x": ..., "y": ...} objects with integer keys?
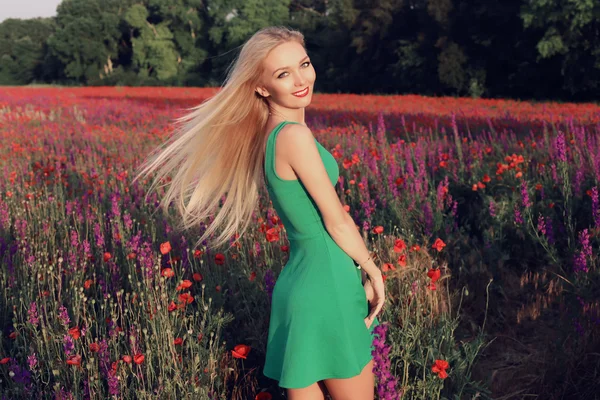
[{"x": 316, "y": 327}]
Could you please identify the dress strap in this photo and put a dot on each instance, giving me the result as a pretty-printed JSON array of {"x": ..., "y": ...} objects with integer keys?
[{"x": 270, "y": 151}]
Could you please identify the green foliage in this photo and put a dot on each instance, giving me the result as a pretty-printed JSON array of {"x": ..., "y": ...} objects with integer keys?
[
  {"x": 22, "y": 49},
  {"x": 434, "y": 47},
  {"x": 569, "y": 30}
]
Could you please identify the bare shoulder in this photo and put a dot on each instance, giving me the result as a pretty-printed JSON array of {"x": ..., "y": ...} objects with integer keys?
[{"x": 294, "y": 138}]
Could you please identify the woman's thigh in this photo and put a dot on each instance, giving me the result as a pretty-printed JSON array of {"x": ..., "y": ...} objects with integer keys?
[
  {"x": 316, "y": 391},
  {"x": 360, "y": 387}
]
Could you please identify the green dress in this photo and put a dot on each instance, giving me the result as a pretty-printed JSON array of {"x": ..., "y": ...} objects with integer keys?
[{"x": 316, "y": 327}]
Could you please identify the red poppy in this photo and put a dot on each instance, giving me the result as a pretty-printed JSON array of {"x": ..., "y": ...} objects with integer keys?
[
  {"x": 252, "y": 276},
  {"x": 415, "y": 247},
  {"x": 186, "y": 298},
  {"x": 197, "y": 277},
  {"x": 378, "y": 229},
  {"x": 285, "y": 248},
  {"x": 138, "y": 359},
  {"x": 399, "y": 246},
  {"x": 94, "y": 347},
  {"x": 402, "y": 260},
  {"x": 240, "y": 351},
  {"x": 263, "y": 396},
  {"x": 198, "y": 253},
  {"x": 88, "y": 283},
  {"x": 438, "y": 244},
  {"x": 172, "y": 306},
  {"x": 177, "y": 341},
  {"x": 5, "y": 360},
  {"x": 388, "y": 267},
  {"x": 440, "y": 367},
  {"x": 127, "y": 359},
  {"x": 74, "y": 360},
  {"x": 434, "y": 274},
  {"x": 107, "y": 256},
  {"x": 272, "y": 235},
  {"x": 75, "y": 332},
  {"x": 113, "y": 368},
  {"x": 185, "y": 284},
  {"x": 167, "y": 273},
  {"x": 219, "y": 259},
  {"x": 165, "y": 248}
]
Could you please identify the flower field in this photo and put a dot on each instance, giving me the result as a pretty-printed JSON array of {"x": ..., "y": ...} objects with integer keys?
[{"x": 483, "y": 214}]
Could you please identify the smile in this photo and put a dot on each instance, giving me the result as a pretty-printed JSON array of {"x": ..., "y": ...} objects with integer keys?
[{"x": 301, "y": 93}]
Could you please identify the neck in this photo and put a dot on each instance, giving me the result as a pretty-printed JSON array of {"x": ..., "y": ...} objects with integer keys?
[{"x": 287, "y": 114}]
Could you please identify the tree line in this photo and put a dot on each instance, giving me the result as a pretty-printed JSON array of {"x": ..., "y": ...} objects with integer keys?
[{"x": 527, "y": 49}]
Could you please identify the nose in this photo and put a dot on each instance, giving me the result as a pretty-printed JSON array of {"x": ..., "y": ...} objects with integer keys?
[{"x": 300, "y": 79}]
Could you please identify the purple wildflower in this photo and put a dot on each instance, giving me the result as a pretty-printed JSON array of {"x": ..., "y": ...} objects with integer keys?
[
  {"x": 541, "y": 225},
  {"x": 584, "y": 240},
  {"x": 492, "y": 208},
  {"x": 98, "y": 235},
  {"x": 34, "y": 319},
  {"x": 64, "y": 316},
  {"x": 560, "y": 146},
  {"x": 21, "y": 375},
  {"x": 595, "y": 207},
  {"x": 32, "y": 362},
  {"x": 580, "y": 263},
  {"x": 518, "y": 217},
  {"x": 386, "y": 382},
  {"x": 68, "y": 345},
  {"x": 525, "y": 195},
  {"x": 257, "y": 248},
  {"x": 269, "y": 283},
  {"x": 113, "y": 384},
  {"x": 128, "y": 221}
]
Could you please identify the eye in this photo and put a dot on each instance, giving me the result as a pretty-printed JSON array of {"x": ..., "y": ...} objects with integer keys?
[{"x": 305, "y": 62}]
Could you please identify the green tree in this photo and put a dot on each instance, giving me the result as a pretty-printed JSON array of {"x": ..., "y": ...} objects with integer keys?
[
  {"x": 234, "y": 21},
  {"x": 86, "y": 37},
  {"x": 568, "y": 30},
  {"x": 154, "y": 52},
  {"x": 22, "y": 49},
  {"x": 169, "y": 32}
]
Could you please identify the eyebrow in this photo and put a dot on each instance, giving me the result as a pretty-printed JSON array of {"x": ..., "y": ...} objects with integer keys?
[{"x": 288, "y": 67}]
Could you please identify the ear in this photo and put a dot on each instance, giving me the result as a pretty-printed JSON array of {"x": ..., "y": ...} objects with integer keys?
[{"x": 262, "y": 91}]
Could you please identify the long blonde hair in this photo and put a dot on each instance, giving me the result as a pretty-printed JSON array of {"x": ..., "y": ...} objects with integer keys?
[{"x": 217, "y": 149}]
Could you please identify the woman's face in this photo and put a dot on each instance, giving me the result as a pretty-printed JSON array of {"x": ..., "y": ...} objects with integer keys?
[{"x": 288, "y": 76}]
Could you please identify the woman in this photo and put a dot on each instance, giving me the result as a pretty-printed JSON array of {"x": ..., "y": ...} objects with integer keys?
[{"x": 253, "y": 131}]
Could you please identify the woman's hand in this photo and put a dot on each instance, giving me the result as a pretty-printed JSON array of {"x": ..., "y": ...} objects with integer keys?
[{"x": 376, "y": 286}]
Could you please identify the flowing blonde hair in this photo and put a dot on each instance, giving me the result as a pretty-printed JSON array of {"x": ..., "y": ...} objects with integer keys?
[{"x": 217, "y": 149}]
